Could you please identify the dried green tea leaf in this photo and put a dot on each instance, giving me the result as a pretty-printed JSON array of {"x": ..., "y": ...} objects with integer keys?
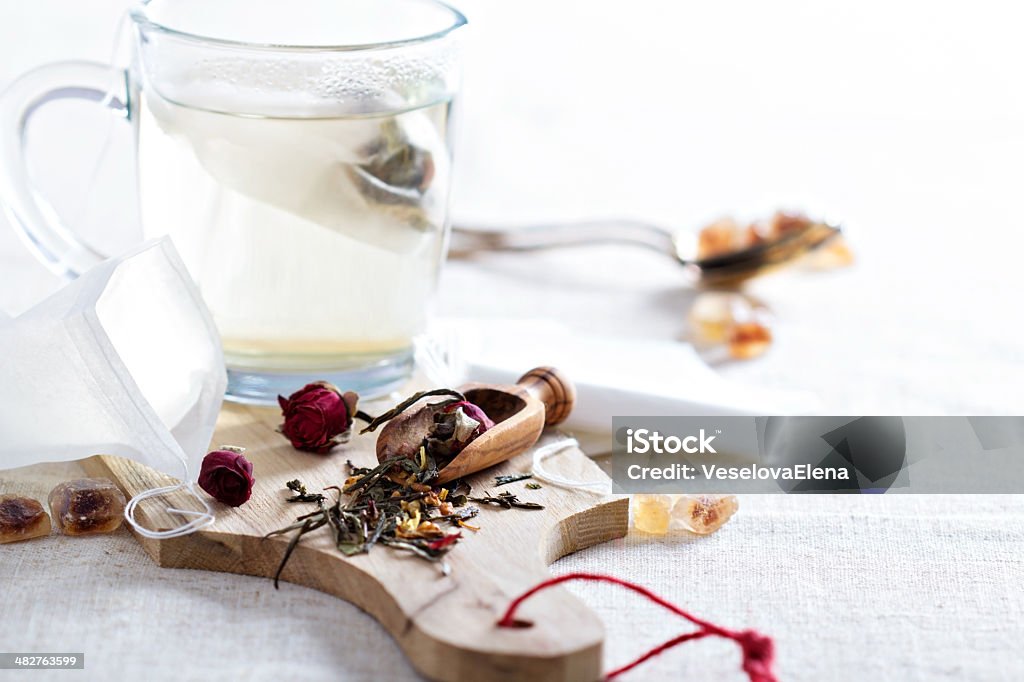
[{"x": 510, "y": 478}]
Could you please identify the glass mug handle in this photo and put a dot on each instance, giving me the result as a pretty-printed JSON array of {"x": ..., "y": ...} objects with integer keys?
[{"x": 55, "y": 245}]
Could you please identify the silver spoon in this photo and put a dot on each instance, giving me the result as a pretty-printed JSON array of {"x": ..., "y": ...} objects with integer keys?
[{"x": 731, "y": 268}]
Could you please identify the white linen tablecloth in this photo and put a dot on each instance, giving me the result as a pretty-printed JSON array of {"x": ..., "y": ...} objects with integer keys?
[{"x": 901, "y": 588}]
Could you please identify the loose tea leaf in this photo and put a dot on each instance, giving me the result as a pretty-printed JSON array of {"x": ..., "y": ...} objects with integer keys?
[
  {"x": 506, "y": 501},
  {"x": 407, "y": 403},
  {"x": 306, "y": 526},
  {"x": 534, "y": 486},
  {"x": 301, "y": 495},
  {"x": 510, "y": 478},
  {"x": 379, "y": 505}
]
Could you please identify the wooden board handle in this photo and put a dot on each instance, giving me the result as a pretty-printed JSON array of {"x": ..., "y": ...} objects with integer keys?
[{"x": 552, "y": 388}]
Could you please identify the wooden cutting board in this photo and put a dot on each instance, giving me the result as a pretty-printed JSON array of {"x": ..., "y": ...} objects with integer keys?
[{"x": 444, "y": 624}]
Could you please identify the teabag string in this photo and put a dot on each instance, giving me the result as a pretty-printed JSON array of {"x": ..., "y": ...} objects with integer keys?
[
  {"x": 559, "y": 446},
  {"x": 202, "y": 518},
  {"x": 758, "y": 650}
]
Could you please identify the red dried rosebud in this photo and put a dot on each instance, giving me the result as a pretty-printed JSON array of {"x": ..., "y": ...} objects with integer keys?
[
  {"x": 227, "y": 475},
  {"x": 474, "y": 413},
  {"x": 317, "y": 417},
  {"x": 445, "y": 428}
]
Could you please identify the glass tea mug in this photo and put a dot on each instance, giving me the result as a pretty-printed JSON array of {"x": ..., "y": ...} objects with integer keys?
[{"x": 299, "y": 156}]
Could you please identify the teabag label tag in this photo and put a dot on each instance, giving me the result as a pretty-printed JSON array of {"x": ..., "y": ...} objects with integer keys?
[{"x": 125, "y": 360}]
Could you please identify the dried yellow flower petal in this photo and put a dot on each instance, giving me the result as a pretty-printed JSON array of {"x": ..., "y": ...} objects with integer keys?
[
  {"x": 429, "y": 529},
  {"x": 407, "y": 527}
]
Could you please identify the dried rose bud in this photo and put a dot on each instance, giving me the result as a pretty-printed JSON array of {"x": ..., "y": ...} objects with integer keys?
[
  {"x": 227, "y": 476},
  {"x": 470, "y": 422},
  {"x": 317, "y": 417},
  {"x": 467, "y": 422},
  {"x": 446, "y": 428},
  {"x": 403, "y": 435}
]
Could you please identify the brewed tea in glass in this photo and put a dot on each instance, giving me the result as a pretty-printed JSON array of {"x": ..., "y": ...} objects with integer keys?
[{"x": 298, "y": 154}]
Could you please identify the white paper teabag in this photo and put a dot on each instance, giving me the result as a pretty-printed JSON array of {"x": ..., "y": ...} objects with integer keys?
[{"x": 125, "y": 360}]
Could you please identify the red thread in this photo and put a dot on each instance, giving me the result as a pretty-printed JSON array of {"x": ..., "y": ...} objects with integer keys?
[{"x": 758, "y": 650}]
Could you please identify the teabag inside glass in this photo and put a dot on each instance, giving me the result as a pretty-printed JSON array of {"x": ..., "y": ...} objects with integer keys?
[
  {"x": 125, "y": 360},
  {"x": 377, "y": 172}
]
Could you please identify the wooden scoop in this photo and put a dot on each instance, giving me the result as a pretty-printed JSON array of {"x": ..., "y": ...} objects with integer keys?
[{"x": 541, "y": 397}]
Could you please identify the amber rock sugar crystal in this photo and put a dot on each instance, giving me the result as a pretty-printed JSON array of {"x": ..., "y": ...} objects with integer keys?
[
  {"x": 700, "y": 514},
  {"x": 740, "y": 323},
  {"x": 748, "y": 340},
  {"x": 704, "y": 514},
  {"x": 714, "y": 313},
  {"x": 87, "y": 506},
  {"x": 22, "y": 518},
  {"x": 652, "y": 513}
]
